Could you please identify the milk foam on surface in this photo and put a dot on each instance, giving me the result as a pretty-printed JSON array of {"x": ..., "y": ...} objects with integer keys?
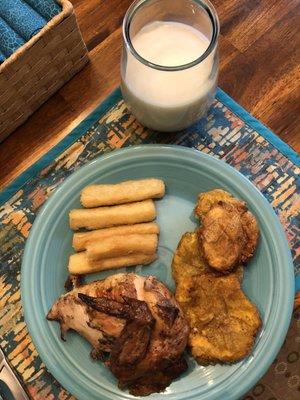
[
  {"x": 170, "y": 43},
  {"x": 157, "y": 97}
]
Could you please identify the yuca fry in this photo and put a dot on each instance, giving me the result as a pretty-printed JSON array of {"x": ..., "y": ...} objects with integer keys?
[
  {"x": 122, "y": 245},
  {"x": 79, "y": 263},
  {"x": 120, "y": 193},
  {"x": 104, "y": 217},
  {"x": 81, "y": 239}
]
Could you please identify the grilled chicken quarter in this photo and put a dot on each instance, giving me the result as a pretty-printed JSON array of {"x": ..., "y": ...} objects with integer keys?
[{"x": 134, "y": 325}]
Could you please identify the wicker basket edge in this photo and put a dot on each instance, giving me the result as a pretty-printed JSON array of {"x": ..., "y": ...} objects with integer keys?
[{"x": 67, "y": 9}]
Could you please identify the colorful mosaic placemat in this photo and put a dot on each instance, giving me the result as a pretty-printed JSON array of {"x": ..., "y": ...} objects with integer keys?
[{"x": 228, "y": 133}]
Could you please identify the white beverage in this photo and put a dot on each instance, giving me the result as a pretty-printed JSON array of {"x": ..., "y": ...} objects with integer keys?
[{"x": 169, "y": 100}]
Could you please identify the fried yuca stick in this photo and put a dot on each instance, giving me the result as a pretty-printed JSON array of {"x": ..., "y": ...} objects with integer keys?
[
  {"x": 120, "y": 193},
  {"x": 79, "y": 263},
  {"x": 81, "y": 239},
  {"x": 104, "y": 217},
  {"x": 122, "y": 245}
]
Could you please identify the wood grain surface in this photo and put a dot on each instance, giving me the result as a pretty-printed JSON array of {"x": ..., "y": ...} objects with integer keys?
[{"x": 259, "y": 68}]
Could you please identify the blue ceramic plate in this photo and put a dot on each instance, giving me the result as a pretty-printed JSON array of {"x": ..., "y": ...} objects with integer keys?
[{"x": 269, "y": 279}]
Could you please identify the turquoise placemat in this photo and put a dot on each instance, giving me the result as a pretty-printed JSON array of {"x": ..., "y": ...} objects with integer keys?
[{"x": 228, "y": 133}]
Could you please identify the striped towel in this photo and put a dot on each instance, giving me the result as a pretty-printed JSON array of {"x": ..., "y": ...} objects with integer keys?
[
  {"x": 10, "y": 41},
  {"x": 47, "y": 8},
  {"x": 22, "y": 18}
]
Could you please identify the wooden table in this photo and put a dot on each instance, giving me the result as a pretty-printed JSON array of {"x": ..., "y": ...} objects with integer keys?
[{"x": 259, "y": 68}]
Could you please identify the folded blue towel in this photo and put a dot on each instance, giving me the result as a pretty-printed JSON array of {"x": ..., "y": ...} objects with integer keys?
[
  {"x": 21, "y": 17},
  {"x": 47, "y": 8},
  {"x": 2, "y": 57},
  {"x": 10, "y": 41}
]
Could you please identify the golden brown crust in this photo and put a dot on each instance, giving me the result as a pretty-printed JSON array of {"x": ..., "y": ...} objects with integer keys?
[
  {"x": 251, "y": 231},
  {"x": 222, "y": 237},
  {"x": 228, "y": 233},
  {"x": 209, "y": 199},
  {"x": 223, "y": 322},
  {"x": 189, "y": 261}
]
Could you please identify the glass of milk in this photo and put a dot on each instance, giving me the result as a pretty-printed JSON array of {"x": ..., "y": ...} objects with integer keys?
[{"x": 169, "y": 63}]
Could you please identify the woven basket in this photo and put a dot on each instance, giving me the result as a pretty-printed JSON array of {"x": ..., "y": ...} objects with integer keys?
[{"x": 39, "y": 68}]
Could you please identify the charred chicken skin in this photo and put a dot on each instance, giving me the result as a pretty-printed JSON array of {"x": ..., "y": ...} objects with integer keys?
[{"x": 134, "y": 325}]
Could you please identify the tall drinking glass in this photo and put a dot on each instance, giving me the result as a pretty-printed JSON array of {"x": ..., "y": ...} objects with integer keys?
[{"x": 169, "y": 64}]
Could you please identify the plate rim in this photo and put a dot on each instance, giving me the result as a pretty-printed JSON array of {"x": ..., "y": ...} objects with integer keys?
[{"x": 166, "y": 149}]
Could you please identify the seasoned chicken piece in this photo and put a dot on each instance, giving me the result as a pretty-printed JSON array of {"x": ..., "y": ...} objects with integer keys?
[
  {"x": 223, "y": 322},
  {"x": 228, "y": 233},
  {"x": 134, "y": 323},
  {"x": 188, "y": 259}
]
